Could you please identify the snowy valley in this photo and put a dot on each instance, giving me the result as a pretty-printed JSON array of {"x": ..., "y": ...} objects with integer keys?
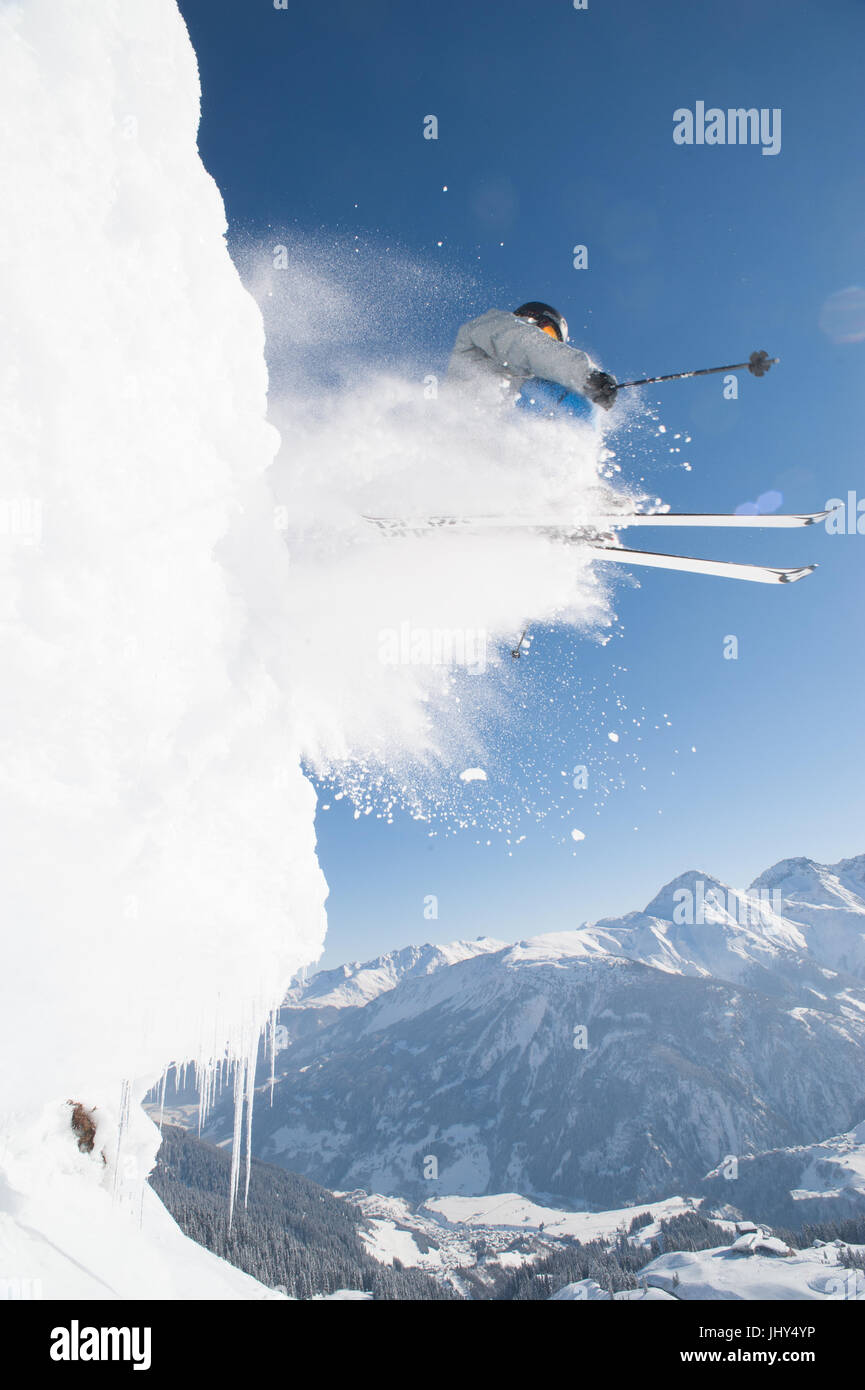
[{"x": 301, "y": 1240}]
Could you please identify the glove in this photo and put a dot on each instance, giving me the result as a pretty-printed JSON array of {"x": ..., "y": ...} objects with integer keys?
[{"x": 601, "y": 389}]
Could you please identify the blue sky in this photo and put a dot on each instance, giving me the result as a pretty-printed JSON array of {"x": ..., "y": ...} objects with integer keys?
[{"x": 555, "y": 128}]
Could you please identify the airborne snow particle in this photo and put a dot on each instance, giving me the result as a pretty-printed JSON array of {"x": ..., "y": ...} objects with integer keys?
[
  {"x": 577, "y": 835},
  {"x": 473, "y": 774},
  {"x": 614, "y": 738}
]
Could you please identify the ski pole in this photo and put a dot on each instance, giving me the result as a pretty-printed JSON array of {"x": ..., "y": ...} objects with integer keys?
[{"x": 758, "y": 364}]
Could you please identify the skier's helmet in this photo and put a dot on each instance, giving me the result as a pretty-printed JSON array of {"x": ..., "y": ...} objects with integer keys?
[{"x": 546, "y": 317}]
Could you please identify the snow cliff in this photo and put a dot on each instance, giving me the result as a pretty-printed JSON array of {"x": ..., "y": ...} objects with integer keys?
[{"x": 158, "y": 868}]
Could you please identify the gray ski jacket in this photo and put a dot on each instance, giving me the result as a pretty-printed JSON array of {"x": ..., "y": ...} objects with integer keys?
[{"x": 495, "y": 353}]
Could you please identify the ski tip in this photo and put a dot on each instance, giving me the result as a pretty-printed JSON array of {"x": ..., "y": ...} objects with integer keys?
[{"x": 790, "y": 576}]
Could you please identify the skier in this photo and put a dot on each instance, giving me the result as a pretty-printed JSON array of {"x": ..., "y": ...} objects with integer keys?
[
  {"x": 526, "y": 352},
  {"x": 525, "y": 356}
]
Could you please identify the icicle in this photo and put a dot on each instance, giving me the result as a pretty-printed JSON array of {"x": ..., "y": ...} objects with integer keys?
[
  {"x": 162, "y": 1087},
  {"x": 250, "y": 1092},
  {"x": 201, "y": 1083},
  {"x": 244, "y": 1061},
  {"x": 122, "y": 1127},
  {"x": 239, "y": 1090},
  {"x": 272, "y": 1042}
]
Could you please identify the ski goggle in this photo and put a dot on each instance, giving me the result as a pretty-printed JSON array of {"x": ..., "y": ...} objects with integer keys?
[
  {"x": 550, "y": 327},
  {"x": 544, "y": 317}
]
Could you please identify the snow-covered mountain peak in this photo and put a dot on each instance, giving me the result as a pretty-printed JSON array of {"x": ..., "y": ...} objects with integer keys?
[
  {"x": 817, "y": 883},
  {"x": 697, "y": 898},
  {"x": 668, "y": 901},
  {"x": 697, "y": 925},
  {"x": 827, "y": 901},
  {"x": 794, "y": 875},
  {"x": 359, "y": 982}
]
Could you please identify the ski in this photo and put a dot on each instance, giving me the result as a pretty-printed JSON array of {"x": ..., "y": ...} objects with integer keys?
[
  {"x": 614, "y": 521},
  {"x": 782, "y": 521},
  {"x": 591, "y": 534},
  {"x": 724, "y": 569}
]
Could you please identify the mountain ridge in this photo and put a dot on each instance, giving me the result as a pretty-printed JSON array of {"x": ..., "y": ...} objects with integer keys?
[
  {"x": 613, "y": 1064},
  {"x": 751, "y": 916}
]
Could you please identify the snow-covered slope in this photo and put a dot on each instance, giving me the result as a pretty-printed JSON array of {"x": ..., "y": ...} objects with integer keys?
[
  {"x": 827, "y": 901},
  {"x": 159, "y": 880},
  {"x": 808, "y": 1182},
  {"x": 753, "y": 1268},
  {"x": 590, "y": 1291},
  {"x": 70, "y": 1228},
  {"x": 756, "y": 1268}
]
